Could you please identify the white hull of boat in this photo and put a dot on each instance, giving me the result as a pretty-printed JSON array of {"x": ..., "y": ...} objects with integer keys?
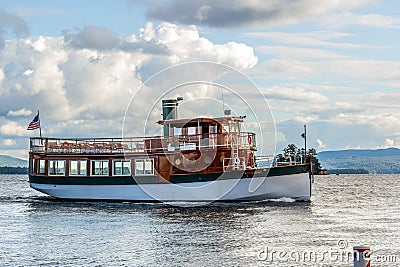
[{"x": 295, "y": 186}]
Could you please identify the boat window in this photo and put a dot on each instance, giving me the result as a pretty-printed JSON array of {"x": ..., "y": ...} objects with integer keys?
[
  {"x": 177, "y": 131},
  {"x": 144, "y": 166},
  {"x": 122, "y": 167},
  {"x": 213, "y": 129},
  {"x": 225, "y": 128},
  {"x": 31, "y": 167},
  {"x": 77, "y": 167},
  {"x": 191, "y": 130},
  {"x": 99, "y": 167},
  {"x": 41, "y": 167},
  {"x": 56, "y": 167},
  {"x": 233, "y": 127}
]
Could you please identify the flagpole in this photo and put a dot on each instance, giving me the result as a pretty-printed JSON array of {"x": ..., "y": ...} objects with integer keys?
[
  {"x": 40, "y": 126},
  {"x": 305, "y": 142},
  {"x": 40, "y": 129}
]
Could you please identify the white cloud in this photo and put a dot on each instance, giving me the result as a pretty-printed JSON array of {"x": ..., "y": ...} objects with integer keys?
[
  {"x": 321, "y": 144},
  {"x": 25, "y": 11},
  {"x": 282, "y": 68},
  {"x": 297, "y": 52},
  {"x": 179, "y": 43},
  {"x": 9, "y": 142},
  {"x": 186, "y": 44},
  {"x": 20, "y": 112},
  {"x": 92, "y": 37},
  {"x": 335, "y": 135},
  {"x": 365, "y": 71},
  {"x": 364, "y": 122},
  {"x": 28, "y": 72},
  {"x": 82, "y": 86},
  {"x": 82, "y": 82},
  {"x": 13, "y": 129},
  {"x": 2, "y": 76},
  {"x": 39, "y": 45},
  {"x": 293, "y": 94},
  {"x": 389, "y": 142},
  {"x": 306, "y": 119},
  {"x": 17, "y": 25},
  {"x": 369, "y": 20},
  {"x": 315, "y": 39},
  {"x": 238, "y": 13}
]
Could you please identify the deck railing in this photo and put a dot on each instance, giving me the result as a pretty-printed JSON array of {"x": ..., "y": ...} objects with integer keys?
[
  {"x": 265, "y": 161},
  {"x": 141, "y": 144},
  {"x": 276, "y": 161},
  {"x": 238, "y": 163}
]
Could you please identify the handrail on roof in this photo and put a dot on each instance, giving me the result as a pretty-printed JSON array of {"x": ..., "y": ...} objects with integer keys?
[{"x": 186, "y": 122}]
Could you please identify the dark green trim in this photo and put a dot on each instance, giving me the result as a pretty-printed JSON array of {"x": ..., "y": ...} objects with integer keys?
[
  {"x": 188, "y": 178},
  {"x": 81, "y": 180},
  {"x": 287, "y": 170},
  {"x": 176, "y": 179}
]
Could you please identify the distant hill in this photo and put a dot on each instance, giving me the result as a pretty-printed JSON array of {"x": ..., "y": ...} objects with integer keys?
[
  {"x": 374, "y": 161},
  {"x": 8, "y": 161}
]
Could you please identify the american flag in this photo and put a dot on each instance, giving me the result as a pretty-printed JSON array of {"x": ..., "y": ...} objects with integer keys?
[{"x": 35, "y": 124}]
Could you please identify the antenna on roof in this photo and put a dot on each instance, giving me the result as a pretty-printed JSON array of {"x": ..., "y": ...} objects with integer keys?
[{"x": 223, "y": 104}]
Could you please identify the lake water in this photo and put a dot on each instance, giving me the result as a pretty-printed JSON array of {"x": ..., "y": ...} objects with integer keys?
[{"x": 346, "y": 210}]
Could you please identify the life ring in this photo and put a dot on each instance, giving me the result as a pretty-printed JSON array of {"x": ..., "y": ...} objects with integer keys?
[
  {"x": 65, "y": 145},
  {"x": 249, "y": 139},
  {"x": 237, "y": 161},
  {"x": 178, "y": 160}
]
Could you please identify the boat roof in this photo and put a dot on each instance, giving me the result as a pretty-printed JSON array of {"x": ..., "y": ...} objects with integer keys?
[{"x": 201, "y": 120}]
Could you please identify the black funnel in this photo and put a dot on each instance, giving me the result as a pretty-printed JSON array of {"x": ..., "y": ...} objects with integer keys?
[{"x": 170, "y": 111}]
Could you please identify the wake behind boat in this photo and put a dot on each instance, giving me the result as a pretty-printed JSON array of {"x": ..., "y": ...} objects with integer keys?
[{"x": 198, "y": 159}]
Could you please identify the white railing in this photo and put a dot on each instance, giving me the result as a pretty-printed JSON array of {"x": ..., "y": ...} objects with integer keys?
[
  {"x": 238, "y": 163},
  {"x": 141, "y": 144},
  {"x": 276, "y": 161},
  {"x": 89, "y": 145},
  {"x": 290, "y": 159},
  {"x": 265, "y": 162}
]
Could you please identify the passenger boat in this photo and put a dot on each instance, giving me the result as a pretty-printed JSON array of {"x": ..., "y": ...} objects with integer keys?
[{"x": 198, "y": 159}]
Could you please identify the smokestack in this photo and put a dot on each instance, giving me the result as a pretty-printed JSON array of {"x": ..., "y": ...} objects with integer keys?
[{"x": 170, "y": 111}]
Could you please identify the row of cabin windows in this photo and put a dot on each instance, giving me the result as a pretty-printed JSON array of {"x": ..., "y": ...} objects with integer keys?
[
  {"x": 213, "y": 129},
  {"x": 97, "y": 167}
]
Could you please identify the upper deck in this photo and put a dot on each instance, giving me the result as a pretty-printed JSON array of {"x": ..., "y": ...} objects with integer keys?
[
  {"x": 179, "y": 135},
  {"x": 155, "y": 144}
]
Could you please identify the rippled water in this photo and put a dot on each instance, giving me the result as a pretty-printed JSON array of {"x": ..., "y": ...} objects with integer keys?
[{"x": 346, "y": 210}]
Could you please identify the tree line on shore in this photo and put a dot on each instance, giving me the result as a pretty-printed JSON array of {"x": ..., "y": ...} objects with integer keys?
[
  {"x": 13, "y": 170},
  {"x": 295, "y": 154}
]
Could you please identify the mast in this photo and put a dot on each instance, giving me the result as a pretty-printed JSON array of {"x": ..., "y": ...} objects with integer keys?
[
  {"x": 40, "y": 126},
  {"x": 305, "y": 142}
]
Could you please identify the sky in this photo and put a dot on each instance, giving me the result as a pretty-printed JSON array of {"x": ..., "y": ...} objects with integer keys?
[{"x": 331, "y": 65}]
